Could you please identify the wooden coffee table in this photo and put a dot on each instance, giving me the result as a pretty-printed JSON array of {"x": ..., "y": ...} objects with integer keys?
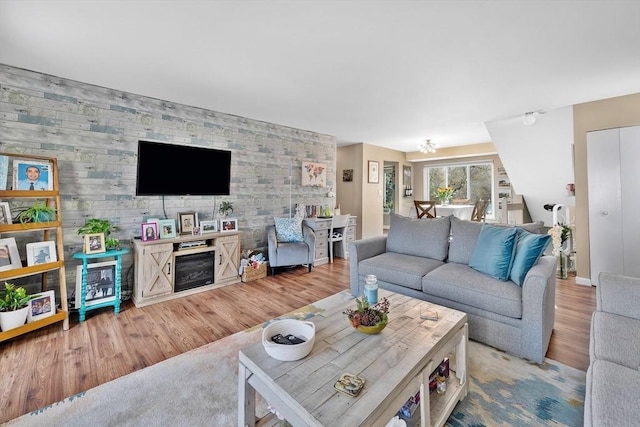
[{"x": 395, "y": 364}]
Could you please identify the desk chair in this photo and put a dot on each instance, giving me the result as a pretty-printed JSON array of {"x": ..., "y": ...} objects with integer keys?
[
  {"x": 337, "y": 233},
  {"x": 425, "y": 208},
  {"x": 479, "y": 210}
]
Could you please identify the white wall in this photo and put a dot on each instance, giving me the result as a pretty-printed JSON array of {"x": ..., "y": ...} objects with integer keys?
[{"x": 538, "y": 158}]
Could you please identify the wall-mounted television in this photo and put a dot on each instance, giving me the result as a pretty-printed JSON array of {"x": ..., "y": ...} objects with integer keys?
[{"x": 181, "y": 170}]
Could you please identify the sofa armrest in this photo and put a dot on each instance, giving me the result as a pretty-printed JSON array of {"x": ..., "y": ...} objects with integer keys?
[
  {"x": 272, "y": 242},
  {"x": 361, "y": 250},
  {"x": 618, "y": 295}
]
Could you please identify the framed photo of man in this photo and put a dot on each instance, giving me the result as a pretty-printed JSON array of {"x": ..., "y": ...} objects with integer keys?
[
  {"x": 94, "y": 243},
  {"x": 43, "y": 305},
  {"x": 32, "y": 176},
  {"x": 9, "y": 255},
  {"x": 41, "y": 253}
]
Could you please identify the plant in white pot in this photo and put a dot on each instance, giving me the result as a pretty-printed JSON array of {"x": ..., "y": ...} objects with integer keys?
[{"x": 14, "y": 306}]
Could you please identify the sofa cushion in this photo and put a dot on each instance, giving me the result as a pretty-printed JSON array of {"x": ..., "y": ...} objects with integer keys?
[
  {"x": 615, "y": 338},
  {"x": 612, "y": 395},
  {"x": 425, "y": 237},
  {"x": 289, "y": 229},
  {"x": 529, "y": 248},
  {"x": 400, "y": 269},
  {"x": 494, "y": 249},
  {"x": 463, "y": 284},
  {"x": 464, "y": 235}
]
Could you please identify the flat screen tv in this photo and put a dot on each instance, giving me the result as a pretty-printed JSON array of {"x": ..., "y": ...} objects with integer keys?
[{"x": 181, "y": 170}]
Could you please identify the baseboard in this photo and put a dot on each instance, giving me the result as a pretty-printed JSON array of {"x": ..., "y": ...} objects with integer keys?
[{"x": 583, "y": 281}]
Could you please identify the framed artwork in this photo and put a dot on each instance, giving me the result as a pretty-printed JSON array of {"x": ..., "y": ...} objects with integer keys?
[
  {"x": 94, "y": 243},
  {"x": 314, "y": 174},
  {"x": 167, "y": 228},
  {"x": 374, "y": 172},
  {"x": 196, "y": 231},
  {"x": 30, "y": 175},
  {"x": 406, "y": 175},
  {"x": 5, "y": 213},
  {"x": 9, "y": 255},
  {"x": 347, "y": 175},
  {"x": 43, "y": 305},
  {"x": 208, "y": 226},
  {"x": 149, "y": 231},
  {"x": 41, "y": 253},
  {"x": 4, "y": 171},
  {"x": 101, "y": 283},
  {"x": 228, "y": 224},
  {"x": 186, "y": 221}
]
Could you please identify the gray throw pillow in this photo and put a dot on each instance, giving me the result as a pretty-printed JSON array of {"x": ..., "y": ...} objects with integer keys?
[
  {"x": 424, "y": 237},
  {"x": 464, "y": 235}
]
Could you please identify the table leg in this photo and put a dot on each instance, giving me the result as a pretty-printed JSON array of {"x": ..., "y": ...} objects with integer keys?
[
  {"x": 246, "y": 398},
  {"x": 118, "y": 284},
  {"x": 82, "y": 310}
]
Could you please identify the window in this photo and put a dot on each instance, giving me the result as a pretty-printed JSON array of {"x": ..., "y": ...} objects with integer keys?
[{"x": 470, "y": 182}]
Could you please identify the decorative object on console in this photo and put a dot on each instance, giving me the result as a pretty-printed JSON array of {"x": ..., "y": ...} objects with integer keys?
[
  {"x": 369, "y": 318},
  {"x": 228, "y": 224},
  {"x": 208, "y": 226},
  {"x": 41, "y": 306},
  {"x": 149, "y": 231},
  {"x": 97, "y": 225},
  {"x": 14, "y": 306},
  {"x": 226, "y": 208},
  {"x": 9, "y": 255},
  {"x": 314, "y": 174},
  {"x": 186, "y": 221},
  {"x": 167, "y": 228},
  {"x": 41, "y": 252}
]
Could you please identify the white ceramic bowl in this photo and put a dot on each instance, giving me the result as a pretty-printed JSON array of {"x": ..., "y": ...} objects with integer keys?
[{"x": 285, "y": 352}]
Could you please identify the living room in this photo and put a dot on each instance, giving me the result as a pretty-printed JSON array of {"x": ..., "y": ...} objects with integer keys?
[{"x": 93, "y": 130}]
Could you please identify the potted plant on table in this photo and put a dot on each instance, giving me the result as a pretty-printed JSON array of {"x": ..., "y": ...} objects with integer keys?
[
  {"x": 226, "y": 208},
  {"x": 96, "y": 225},
  {"x": 445, "y": 194},
  {"x": 14, "y": 306},
  {"x": 369, "y": 319}
]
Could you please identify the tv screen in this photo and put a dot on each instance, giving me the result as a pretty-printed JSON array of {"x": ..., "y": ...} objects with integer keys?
[{"x": 180, "y": 170}]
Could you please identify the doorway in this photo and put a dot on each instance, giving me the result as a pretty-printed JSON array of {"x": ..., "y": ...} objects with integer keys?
[{"x": 389, "y": 196}]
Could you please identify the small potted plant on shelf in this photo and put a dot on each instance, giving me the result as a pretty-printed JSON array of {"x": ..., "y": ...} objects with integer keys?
[
  {"x": 96, "y": 225},
  {"x": 226, "y": 208},
  {"x": 39, "y": 212},
  {"x": 370, "y": 319},
  {"x": 14, "y": 306}
]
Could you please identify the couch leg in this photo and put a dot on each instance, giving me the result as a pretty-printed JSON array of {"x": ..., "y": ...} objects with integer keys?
[{"x": 309, "y": 268}]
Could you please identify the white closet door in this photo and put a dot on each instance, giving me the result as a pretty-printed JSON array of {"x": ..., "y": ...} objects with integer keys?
[
  {"x": 630, "y": 191},
  {"x": 605, "y": 209}
]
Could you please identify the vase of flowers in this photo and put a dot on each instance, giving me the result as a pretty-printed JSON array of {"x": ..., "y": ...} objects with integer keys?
[
  {"x": 559, "y": 234},
  {"x": 367, "y": 318},
  {"x": 444, "y": 194}
]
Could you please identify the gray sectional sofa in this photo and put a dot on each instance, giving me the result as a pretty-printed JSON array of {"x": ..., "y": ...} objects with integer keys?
[
  {"x": 429, "y": 259},
  {"x": 613, "y": 378}
]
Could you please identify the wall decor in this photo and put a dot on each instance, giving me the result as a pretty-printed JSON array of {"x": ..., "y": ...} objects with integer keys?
[
  {"x": 150, "y": 231},
  {"x": 30, "y": 175},
  {"x": 186, "y": 222},
  {"x": 9, "y": 255},
  {"x": 347, "y": 175},
  {"x": 228, "y": 224},
  {"x": 4, "y": 171},
  {"x": 314, "y": 174},
  {"x": 41, "y": 253},
  {"x": 208, "y": 226},
  {"x": 406, "y": 175},
  {"x": 167, "y": 228},
  {"x": 101, "y": 283},
  {"x": 94, "y": 243},
  {"x": 5, "y": 213},
  {"x": 374, "y": 172},
  {"x": 44, "y": 305}
]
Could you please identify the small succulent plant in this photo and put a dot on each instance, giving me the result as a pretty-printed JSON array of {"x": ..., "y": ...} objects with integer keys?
[{"x": 366, "y": 314}]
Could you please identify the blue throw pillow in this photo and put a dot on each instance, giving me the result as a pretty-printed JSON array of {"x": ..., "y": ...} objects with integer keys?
[
  {"x": 289, "y": 229},
  {"x": 529, "y": 248},
  {"x": 494, "y": 251}
]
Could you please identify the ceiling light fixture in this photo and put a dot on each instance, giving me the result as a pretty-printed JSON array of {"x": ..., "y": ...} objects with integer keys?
[
  {"x": 529, "y": 118},
  {"x": 427, "y": 147}
]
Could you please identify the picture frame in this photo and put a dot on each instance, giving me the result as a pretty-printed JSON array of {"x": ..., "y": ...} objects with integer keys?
[
  {"x": 228, "y": 224},
  {"x": 42, "y": 180},
  {"x": 94, "y": 243},
  {"x": 5, "y": 213},
  {"x": 347, "y": 175},
  {"x": 101, "y": 283},
  {"x": 9, "y": 255},
  {"x": 374, "y": 172},
  {"x": 186, "y": 222},
  {"x": 167, "y": 228},
  {"x": 42, "y": 306},
  {"x": 149, "y": 231},
  {"x": 314, "y": 174},
  {"x": 41, "y": 253},
  {"x": 406, "y": 175},
  {"x": 4, "y": 172},
  {"x": 208, "y": 227}
]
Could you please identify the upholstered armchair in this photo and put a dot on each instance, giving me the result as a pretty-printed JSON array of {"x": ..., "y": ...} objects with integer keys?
[{"x": 291, "y": 253}]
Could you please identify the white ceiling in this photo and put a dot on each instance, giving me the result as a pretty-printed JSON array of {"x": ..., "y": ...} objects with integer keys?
[{"x": 388, "y": 73}]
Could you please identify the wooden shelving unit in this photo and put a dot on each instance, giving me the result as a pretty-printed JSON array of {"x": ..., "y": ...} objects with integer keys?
[{"x": 44, "y": 231}]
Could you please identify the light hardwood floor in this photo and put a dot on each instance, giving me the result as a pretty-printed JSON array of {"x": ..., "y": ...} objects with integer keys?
[{"x": 48, "y": 365}]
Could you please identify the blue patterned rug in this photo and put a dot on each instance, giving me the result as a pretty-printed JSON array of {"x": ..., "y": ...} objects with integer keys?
[{"x": 504, "y": 390}]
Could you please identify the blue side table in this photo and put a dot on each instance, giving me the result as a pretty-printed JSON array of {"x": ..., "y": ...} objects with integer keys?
[{"x": 117, "y": 254}]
